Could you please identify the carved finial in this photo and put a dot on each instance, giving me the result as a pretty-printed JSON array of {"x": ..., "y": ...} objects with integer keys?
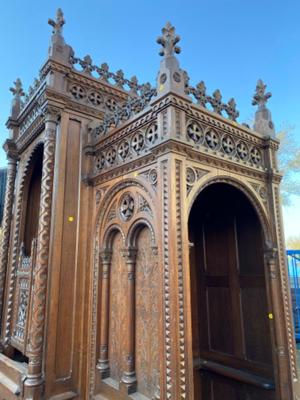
[
  {"x": 263, "y": 120},
  {"x": 58, "y": 23},
  {"x": 216, "y": 101},
  {"x": 168, "y": 40},
  {"x": 260, "y": 97},
  {"x": 231, "y": 110},
  {"x": 200, "y": 94},
  {"x": 18, "y": 89}
]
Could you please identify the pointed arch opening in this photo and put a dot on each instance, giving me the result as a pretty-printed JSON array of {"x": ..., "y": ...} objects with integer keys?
[{"x": 232, "y": 342}]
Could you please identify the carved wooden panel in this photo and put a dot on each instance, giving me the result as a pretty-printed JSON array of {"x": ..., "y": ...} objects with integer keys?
[
  {"x": 147, "y": 318},
  {"x": 118, "y": 280}
]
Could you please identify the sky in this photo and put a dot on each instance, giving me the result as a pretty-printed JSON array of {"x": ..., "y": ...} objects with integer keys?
[{"x": 229, "y": 44}]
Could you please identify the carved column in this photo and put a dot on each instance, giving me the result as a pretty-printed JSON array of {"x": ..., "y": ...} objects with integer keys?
[
  {"x": 103, "y": 362},
  {"x": 34, "y": 380},
  {"x": 129, "y": 377},
  {"x": 275, "y": 316},
  {"x": 12, "y": 157}
]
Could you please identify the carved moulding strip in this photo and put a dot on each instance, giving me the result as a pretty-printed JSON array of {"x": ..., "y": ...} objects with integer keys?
[
  {"x": 243, "y": 187},
  {"x": 35, "y": 346},
  {"x": 6, "y": 222},
  {"x": 285, "y": 285},
  {"x": 182, "y": 368},
  {"x": 167, "y": 307},
  {"x": 15, "y": 244}
]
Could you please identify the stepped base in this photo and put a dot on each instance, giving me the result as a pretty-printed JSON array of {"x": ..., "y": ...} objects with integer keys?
[{"x": 12, "y": 376}]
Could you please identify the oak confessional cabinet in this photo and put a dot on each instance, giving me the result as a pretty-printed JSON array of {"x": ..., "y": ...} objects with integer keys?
[{"x": 142, "y": 254}]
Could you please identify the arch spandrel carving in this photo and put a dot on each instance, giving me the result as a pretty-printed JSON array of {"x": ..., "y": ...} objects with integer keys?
[
  {"x": 247, "y": 189},
  {"x": 113, "y": 194}
]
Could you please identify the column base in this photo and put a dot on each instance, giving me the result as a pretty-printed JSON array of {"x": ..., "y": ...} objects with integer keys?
[
  {"x": 103, "y": 368},
  {"x": 128, "y": 384},
  {"x": 33, "y": 388}
]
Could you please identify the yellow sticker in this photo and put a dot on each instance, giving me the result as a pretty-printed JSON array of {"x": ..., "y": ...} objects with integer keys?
[
  {"x": 271, "y": 316},
  {"x": 70, "y": 219},
  {"x": 161, "y": 87}
]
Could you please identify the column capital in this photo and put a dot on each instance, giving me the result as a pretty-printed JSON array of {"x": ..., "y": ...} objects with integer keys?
[
  {"x": 129, "y": 254},
  {"x": 51, "y": 113},
  {"x": 105, "y": 256},
  {"x": 270, "y": 253},
  {"x": 10, "y": 149}
]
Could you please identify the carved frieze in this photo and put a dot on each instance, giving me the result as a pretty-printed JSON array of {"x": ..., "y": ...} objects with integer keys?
[
  {"x": 138, "y": 143},
  {"x": 206, "y": 138}
]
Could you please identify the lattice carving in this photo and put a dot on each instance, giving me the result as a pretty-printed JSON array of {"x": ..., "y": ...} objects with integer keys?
[{"x": 226, "y": 144}]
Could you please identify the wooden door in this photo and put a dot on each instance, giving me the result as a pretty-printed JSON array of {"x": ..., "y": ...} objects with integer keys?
[{"x": 231, "y": 334}]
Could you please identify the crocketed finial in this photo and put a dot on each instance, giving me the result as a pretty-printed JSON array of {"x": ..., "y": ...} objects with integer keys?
[
  {"x": 18, "y": 89},
  {"x": 168, "y": 40},
  {"x": 58, "y": 23},
  {"x": 260, "y": 97}
]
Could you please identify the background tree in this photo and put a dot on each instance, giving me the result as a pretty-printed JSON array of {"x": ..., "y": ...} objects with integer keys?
[
  {"x": 289, "y": 163},
  {"x": 293, "y": 243}
]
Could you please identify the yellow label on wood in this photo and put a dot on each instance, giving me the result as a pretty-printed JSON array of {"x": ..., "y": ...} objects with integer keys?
[
  {"x": 70, "y": 219},
  {"x": 271, "y": 316}
]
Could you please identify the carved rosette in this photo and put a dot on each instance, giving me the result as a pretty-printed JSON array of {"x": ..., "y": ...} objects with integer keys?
[
  {"x": 37, "y": 323},
  {"x": 7, "y": 216}
]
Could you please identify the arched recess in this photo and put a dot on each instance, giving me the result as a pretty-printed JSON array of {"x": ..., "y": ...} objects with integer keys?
[
  {"x": 113, "y": 311},
  {"x": 108, "y": 229},
  {"x": 141, "y": 237},
  {"x": 245, "y": 189},
  {"x": 22, "y": 259},
  {"x": 31, "y": 199},
  {"x": 231, "y": 333}
]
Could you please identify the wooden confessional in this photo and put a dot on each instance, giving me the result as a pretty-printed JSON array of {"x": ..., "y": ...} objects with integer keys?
[{"x": 142, "y": 255}]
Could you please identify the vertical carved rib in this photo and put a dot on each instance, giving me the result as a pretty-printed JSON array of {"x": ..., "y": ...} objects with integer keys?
[
  {"x": 103, "y": 362},
  {"x": 129, "y": 376},
  {"x": 6, "y": 223},
  {"x": 37, "y": 323},
  {"x": 271, "y": 260}
]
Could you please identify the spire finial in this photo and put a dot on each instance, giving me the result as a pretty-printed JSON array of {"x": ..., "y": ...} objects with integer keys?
[
  {"x": 58, "y": 23},
  {"x": 168, "y": 40},
  {"x": 17, "y": 90},
  {"x": 263, "y": 120},
  {"x": 260, "y": 97}
]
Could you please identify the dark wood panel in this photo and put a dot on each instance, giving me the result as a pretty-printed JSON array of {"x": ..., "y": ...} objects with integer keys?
[{"x": 229, "y": 306}]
